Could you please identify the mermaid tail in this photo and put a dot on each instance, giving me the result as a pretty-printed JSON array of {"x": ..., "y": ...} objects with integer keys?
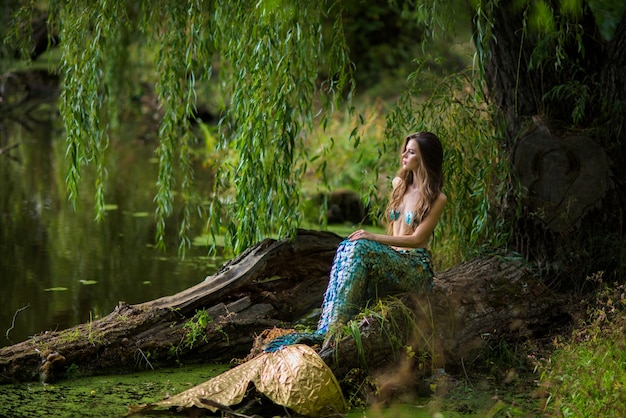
[
  {"x": 308, "y": 338},
  {"x": 363, "y": 270},
  {"x": 295, "y": 377}
]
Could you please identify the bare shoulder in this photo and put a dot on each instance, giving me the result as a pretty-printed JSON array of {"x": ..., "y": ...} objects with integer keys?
[
  {"x": 396, "y": 182},
  {"x": 440, "y": 202}
]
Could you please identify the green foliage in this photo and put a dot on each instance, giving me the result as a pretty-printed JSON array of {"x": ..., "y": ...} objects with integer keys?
[
  {"x": 607, "y": 14},
  {"x": 269, "y": 81},
  {"x": 385, "y": 36},
  {"x": 586, "y": 376},
  {"x": 343, "y": 154},
  {"x": 355, "y": 385},
  {"x": 541, "y": 17},
  {"x": 178, "y": 29},
  {"x": 478, "y": 180},
  {"x": 15, "y": 29},
  {"x": 268, "y": 54},
  {"x": 70, "y": 335},
  {"x": 553, "y": 24},
  {"x": 73, "y": 371},
  {"x": 85, "y": 47},
  {"x": 479, "y": 183},
  {"x": 393, "y": 330},
  {"x": 196, "y": 328},
  {"x": 270, "y": 84},
  {"x": 559, "y": 38},
  {"x": 267, "y": 59},
  {"x": 574, "y": 92},
  {"x": 94, "y": 335}
]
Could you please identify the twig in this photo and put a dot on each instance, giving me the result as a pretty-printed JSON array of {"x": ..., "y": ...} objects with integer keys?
[
  {"x": 465, "y": 372},
  {"x": 139, "y": 355},
  {"x": 13, "y": 322},
  {"x": 9, "y": 147}
]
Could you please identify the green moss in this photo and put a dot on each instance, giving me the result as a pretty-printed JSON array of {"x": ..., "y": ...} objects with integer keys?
[
  {"x": 70, "y": 335},
  {"x": 101, "y": 396}
]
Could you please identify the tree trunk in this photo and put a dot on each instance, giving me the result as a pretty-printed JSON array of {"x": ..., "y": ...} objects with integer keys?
[
  {"x": 272, "y": 285},
  {"x": 563, "y": 124}
]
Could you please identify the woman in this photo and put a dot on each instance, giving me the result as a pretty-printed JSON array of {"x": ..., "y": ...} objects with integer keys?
[
  {"x": 369, "y": 266},
  {"x": 366, "y": 266}
]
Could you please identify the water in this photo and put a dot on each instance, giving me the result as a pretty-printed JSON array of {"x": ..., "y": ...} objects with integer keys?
[
  {"x": 59, "y": 267},
  {"x": 63, "y": 268},
  {"x": 101, "y": 396}
]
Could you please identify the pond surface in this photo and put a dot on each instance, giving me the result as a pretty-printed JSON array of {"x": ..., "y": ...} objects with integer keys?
[
  {"x": 58, "y": 266},
  {"x": 101, "y": 396}
]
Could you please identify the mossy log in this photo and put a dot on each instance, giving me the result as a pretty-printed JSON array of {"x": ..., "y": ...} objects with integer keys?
[
  {"x": 472, "y": 308},
  {"x": 275, "y": 283}
]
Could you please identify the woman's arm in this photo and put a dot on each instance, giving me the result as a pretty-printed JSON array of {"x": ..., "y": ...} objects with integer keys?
[{"x": 419, "y": 238}]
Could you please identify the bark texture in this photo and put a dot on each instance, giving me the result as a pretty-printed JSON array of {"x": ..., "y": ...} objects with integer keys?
[
  {"x": 274, "y": 284},
  {"x": 563, "y": 105},
  {"x": 472, "y": 306}
]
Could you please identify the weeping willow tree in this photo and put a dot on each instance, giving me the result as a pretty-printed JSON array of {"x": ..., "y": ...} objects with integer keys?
[
  {"x": 272, "y": 51},
  {"x": 545, "y": 101},
  {"x": 554, "y": 70},
  {"x": 270, "y": 56}
]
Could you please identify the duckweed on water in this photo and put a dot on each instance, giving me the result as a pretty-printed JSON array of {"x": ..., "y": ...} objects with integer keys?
[
  {"x": 100, "y": 396},
  {"x": 111, "y": 395}
]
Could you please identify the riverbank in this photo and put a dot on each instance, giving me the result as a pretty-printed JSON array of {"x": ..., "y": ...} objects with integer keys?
[{"x": 110, "y": 396}]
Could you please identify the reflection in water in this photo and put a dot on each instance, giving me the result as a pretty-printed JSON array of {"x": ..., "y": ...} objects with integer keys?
[{"x": 46, "y": 246}]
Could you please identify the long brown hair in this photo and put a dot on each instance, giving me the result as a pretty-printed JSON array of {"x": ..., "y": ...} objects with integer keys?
[{"x": 429, "y": 177}]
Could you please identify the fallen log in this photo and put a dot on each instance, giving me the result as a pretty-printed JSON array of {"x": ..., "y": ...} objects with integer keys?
[
  {"x": 471, "y": 308},
  {"x": 275, "y": 283},
  {"x": 266, "y": 286}
]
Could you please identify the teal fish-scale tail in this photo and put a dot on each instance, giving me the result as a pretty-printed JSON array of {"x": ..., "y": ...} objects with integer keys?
[
  {"x": 308, "y": 338},
  {"x": 363, "y": 270}
]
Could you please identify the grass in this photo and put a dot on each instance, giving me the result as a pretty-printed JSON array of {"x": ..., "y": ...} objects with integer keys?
[
  {"x": 94, "y": 335},
  {"x": 70, "y": 335},
  {"x": 582, "y": 375},
  {"x": 586, "y": 375}
]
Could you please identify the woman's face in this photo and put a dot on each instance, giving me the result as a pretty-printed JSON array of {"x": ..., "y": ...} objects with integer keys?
[{"x": 411, "y": 156}]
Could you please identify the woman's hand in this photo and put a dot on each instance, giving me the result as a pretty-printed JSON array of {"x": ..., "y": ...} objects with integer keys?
[{"x": 361, "y": 234}]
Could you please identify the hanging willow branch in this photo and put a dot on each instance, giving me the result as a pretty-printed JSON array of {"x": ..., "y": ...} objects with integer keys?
[
  {"x": 274, "y": 70},
  {"x": 175, "y": 86},
  {"x": 270, "y": 54}
]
